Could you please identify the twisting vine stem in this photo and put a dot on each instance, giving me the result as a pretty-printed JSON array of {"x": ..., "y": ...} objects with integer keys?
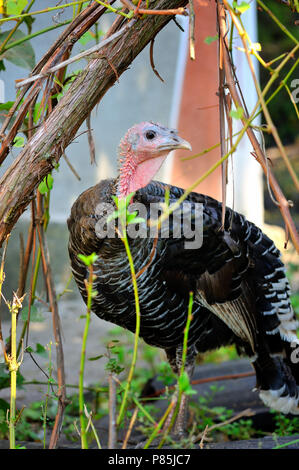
[
  {"x": 246, "y": 121},
  {"x": 89, "y": 290},
  {"x": 272, "y": 128},
  {"x": 124, "y": 217}
]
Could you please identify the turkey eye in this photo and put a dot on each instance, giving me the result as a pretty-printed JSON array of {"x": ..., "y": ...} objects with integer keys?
[{"x": 150, "y": 135}]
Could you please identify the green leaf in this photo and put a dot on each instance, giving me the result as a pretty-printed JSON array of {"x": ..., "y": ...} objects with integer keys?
[
  {"x": 115, "y": 199},
  {"x": 184, "y": 384},
  {"x": 19, "y": 142},
  {"x": 88, "y": 260},
  {"x": 244, "y": 6},
  {"x": 6, "y": 106},
  {"x": 136, "y": 220},
  {"x": 95, "y": 358},
  {"x": 123, "y": 202},
  {"x": 21, "y": 55},
  {"x": 86, "y": 37},
  {"x": 35, "y": 314},
  {"x": 41, "y": 350},
  {"x": 46, "y": 185},
  {"x": 236, "y": 114},
  {"x": 112, "y": 216},
  {"x": 129, "y": 197},
  {"x": 29, "y": 20},
  {"x": 15, "y": 7},
  {"x": 131, "y": 217},
  {"x": 37, "y": 112},
  {"x": 209, "y": 39},
  {"x": 190, "y": 391}
]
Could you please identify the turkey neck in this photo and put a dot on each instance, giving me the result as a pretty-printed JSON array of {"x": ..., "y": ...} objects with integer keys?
[{"x": 136, "y": 171}]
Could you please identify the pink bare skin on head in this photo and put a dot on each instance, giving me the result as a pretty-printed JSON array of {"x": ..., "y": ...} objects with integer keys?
[{"x": 142, "y": 152}]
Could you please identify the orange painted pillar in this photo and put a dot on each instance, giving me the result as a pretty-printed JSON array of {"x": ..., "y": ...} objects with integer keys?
[{"x": 198, "y": 120}]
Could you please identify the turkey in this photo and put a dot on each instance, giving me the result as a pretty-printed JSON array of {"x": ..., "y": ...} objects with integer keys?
[{"x": 241, "y": 293}]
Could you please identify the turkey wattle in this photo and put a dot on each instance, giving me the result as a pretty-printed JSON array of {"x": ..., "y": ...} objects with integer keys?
[{"x": 241, "y": 293}]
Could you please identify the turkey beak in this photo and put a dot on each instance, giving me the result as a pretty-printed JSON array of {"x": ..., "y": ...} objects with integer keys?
[
  {"x": 175, "y": 142},
  {"x": 183, "y": 144}
]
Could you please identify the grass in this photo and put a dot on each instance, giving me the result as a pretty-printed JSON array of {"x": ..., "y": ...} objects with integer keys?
[
  {"x": 31, "y": 420},
  {"x": 35, "y": 422},
  {"x": 30, "y": 424}
]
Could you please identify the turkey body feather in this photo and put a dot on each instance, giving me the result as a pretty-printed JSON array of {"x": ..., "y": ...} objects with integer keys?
[{"x": 241, "y": 293}]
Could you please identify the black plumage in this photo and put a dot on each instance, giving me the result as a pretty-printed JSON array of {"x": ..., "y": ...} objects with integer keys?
[{"x": 241, "y": 293}]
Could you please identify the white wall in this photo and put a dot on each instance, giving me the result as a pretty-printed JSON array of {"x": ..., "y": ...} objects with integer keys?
[
  {"x": 245, "y": 187},
  {"x": 247, "y": 173}
]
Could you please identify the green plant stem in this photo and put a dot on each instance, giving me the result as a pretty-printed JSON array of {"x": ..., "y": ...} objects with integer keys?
[
  {"x": 292, "y": 99},
  {"x": 186, "y": 333},
  {"x": 182, "y": 368},
  {"x": 140, "y": 406},
  {"x": 84, "y": 443},
  {"x": 13, "y": 369},
  {"x": 90, "y": 389},
  {"x": 283, "y": 82},
  {"x": 11, "y": 33},
  {"x": 124, "y": 239},
  {"x": 286, "y": 444},
  {"x": 66, "y": 288},
  {"x": 159, "y": 426},
  {"x": 36, "y": 268},
  {"x": 114, "y": 10},
  {"x": 175, "y": 205},
  {"x": 47, "y": 394},
  {"x": 35, "y": 274},
  {"x": 79, "y": 9},
  {"x": 2, "y": 277},
  {"x": 244, "y": 36},
  {"x": 46, "y": 10},
  {"x": 33, "y": 35},
  {"x": 265, "y": 90},
  {"x": 246, "y": 124},
  {"x": 276, "y": 20},
  {"x": 231, "y": 38},
  {"x": 94, "y": 430}
]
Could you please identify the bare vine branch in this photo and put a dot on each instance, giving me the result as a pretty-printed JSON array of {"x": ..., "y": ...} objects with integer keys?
[
  {"x": 261, "y": 157},
  {"x": 48, "y": 144}
]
